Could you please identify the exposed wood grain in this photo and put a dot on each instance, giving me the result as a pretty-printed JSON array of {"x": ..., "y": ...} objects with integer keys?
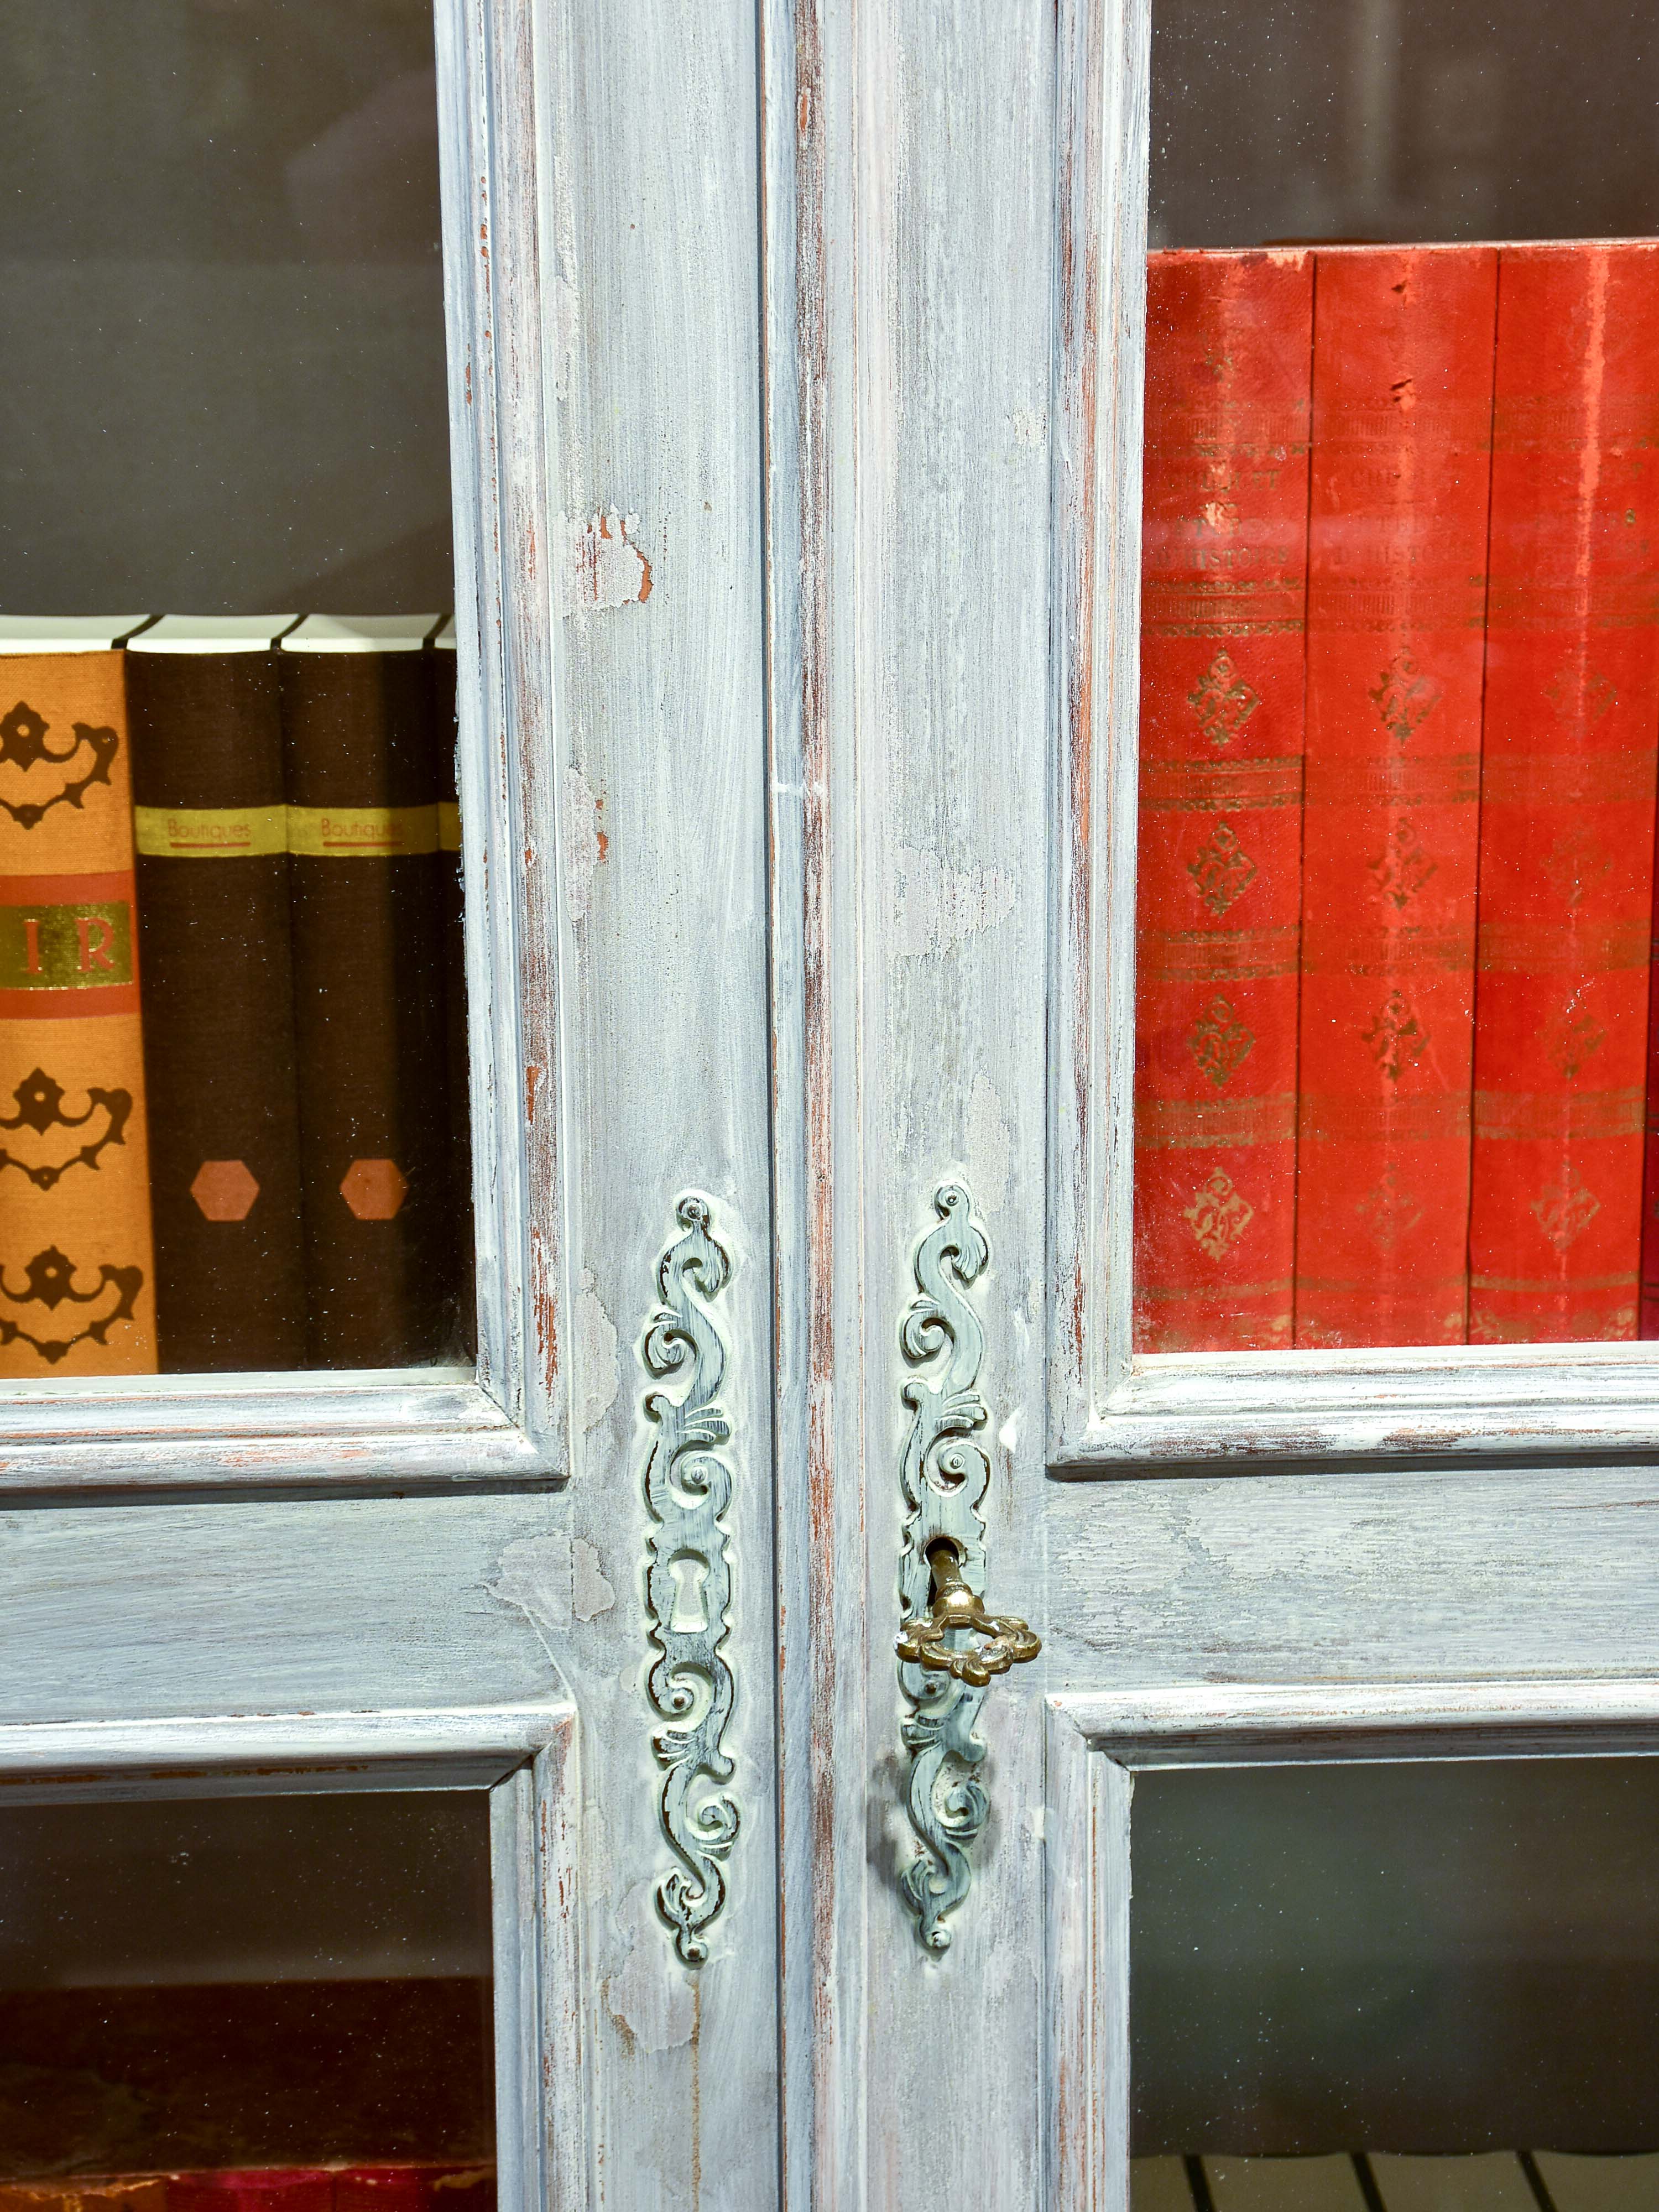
[
  {"x": 1087, "y": 1917},
  {"x": 1402, "y": 1575},
  {"x": 1104, "y": 128},
  {"x": 656, "y": 751},
  {"x": 495, "y": 159},
  {"x": 807, "y": 106},
  {"x": 908, "y": 427},
  {"x": 796, "y": 303}
]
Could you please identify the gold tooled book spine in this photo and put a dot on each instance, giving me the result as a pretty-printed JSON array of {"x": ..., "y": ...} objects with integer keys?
[{"x": 76, "y": 1277}]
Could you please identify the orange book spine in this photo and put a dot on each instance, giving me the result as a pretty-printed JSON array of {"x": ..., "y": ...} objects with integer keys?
[
  {"x": 1224, "y": 579},
  {"x": 76, "y": 1279},
  {"x": 1403, "y": 343},
  {"x": 1567, "y": 797}
]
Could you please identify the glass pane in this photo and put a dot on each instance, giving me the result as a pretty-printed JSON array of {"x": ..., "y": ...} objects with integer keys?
[
  {"x": 248, "y": 2001},
  {"x": 1399, "y": 677},
  {"x": 1448, "y": 1969},
  {"x": 233, "y": 1098}
]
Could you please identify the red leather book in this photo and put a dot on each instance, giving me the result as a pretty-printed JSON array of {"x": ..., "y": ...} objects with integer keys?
[
  {"x": 1396, "y": 606},
  {"x": 1567, "y": 796},
  {"x": 1647, "y": 1325},
  {"x": 253, "y": 2189},
  {"x": 1229, "y": 345}
]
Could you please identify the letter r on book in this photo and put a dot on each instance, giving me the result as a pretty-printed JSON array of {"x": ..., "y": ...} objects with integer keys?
[{"x": 95, "y": 949}]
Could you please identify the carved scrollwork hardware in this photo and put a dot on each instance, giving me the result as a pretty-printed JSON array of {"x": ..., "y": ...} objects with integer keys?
[
  {"x": 688, "y": 1488},
  {"x": 945, "y": 1471}
]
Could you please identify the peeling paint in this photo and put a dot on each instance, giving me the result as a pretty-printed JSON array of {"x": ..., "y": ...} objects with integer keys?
[
  {"x": 584, "y": 843},
  {"x": 605, "y": 568},
  {"x": 597, "y": 1377},
  {"x": 990, "y": 1148},
  {"x": 534, "y": 1575},
  {"x": 1030, "y": 425},
  {"x": 935, "y": 906},
  {"x": 651, "y": 1998},
  {"x": 590, "y": 1593}
]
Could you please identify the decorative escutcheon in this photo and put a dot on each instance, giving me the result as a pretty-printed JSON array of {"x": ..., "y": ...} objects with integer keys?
[
  {"x": 687, "y": 1487},
  {"x": 945, "y": 1471}
]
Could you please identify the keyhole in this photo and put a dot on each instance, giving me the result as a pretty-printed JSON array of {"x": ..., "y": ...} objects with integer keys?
[{"x": 690, "y": 1575}]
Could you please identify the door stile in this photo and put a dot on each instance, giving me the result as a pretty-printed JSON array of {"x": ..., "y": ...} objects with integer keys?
[
  {"x": 808, "y": 258},
  {"x": 1086, "y": 1969},
  {"x": 909, "y": 412}
]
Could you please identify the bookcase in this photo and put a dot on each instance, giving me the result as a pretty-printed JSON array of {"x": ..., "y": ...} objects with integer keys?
[{"x": 794, "y": 361}]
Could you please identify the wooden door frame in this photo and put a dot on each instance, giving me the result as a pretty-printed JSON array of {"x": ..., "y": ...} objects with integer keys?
[
  {"x": 524, "y": 1756},
  {"x": 1097, "y": 1742}
]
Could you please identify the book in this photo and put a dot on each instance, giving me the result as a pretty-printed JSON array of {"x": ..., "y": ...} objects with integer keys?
[
  {"x": 1402, "y": 384},
  {"x": 211, "y": 832},
  {"x": 1224, "y": 588},
  {"x": 367, "y": 905},
  {"x": 447, "y": 735},
  {"x": 1568, "y": 768},
  {"x": 412, "y": 2186},
  {"x": 77, "y": 1292},
  {"x": 252, "y": 2189}
]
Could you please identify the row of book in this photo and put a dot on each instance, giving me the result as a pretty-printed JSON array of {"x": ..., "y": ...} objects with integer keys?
[
  {"x": 1399, "y": 730},
  {"x": 233, "y": 1062},
  {"x": 1480, "y": 2181},
  {"x": 407, "y": 2187}
]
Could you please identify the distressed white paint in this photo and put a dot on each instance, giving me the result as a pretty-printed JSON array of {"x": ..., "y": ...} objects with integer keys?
[
  {"x": 909, "y": 271},
  {"x": 590, "y": 1593},
  {"x": 1096, "y": 1742},
  {"x": 604, "y": 567},
  {"x": 833, "y": 935},
  {"x": 584, "y": 846},
  {"x": 599, "y": 1375}
]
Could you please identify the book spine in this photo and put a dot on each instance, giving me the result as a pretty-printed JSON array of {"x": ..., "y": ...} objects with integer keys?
[
  {"x": 253, "y": 2189},
  {"x": 1402, "y": 383},
  {"x": 1567, "y": 797},
  {"x": 77, "y": 1289},
  {"x": 464, "y": 1325},
  {"x": 1223, "y": 589},
  {"x": 1647, "y": 1325},
  {"x": 366, "y": 880},
  {"x": 218, "y": 1009}
]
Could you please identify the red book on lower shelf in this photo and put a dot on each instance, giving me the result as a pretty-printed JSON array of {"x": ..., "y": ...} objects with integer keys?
[
  {"x": 1567, "y": 796},
  {"x": 1229, "y": 338},
  {"x": 1396, "y": 603}
]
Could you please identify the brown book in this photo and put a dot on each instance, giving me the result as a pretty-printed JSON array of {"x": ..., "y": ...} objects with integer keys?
[
  {"x": 367, "y": 897},
  {"x": 446, "y": 736},
  {"x": 76, "y": 1293},
  {"x": 211, "y": 830}
]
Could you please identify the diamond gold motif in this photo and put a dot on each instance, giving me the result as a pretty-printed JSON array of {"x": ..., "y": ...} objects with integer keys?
[
  {"x": 1222, "y": 700},
  {"x": 1221, "y": 868},
  {"x": 1388, "y": 1212},
  {"x": 1219, "y": 1042},
  {"x": 1598, "y": 692},
  {"x": 1404, "y": 696},
  {"x": 1395, "y": 1036},
  {"x": 1576, "y": 863},
  {"x": 1402, "y": 868},
  {"x": 1574, "y": 1039},
  {"x": 1564, "y": 1210},
  {"x": 1219, "y": 1213}
]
